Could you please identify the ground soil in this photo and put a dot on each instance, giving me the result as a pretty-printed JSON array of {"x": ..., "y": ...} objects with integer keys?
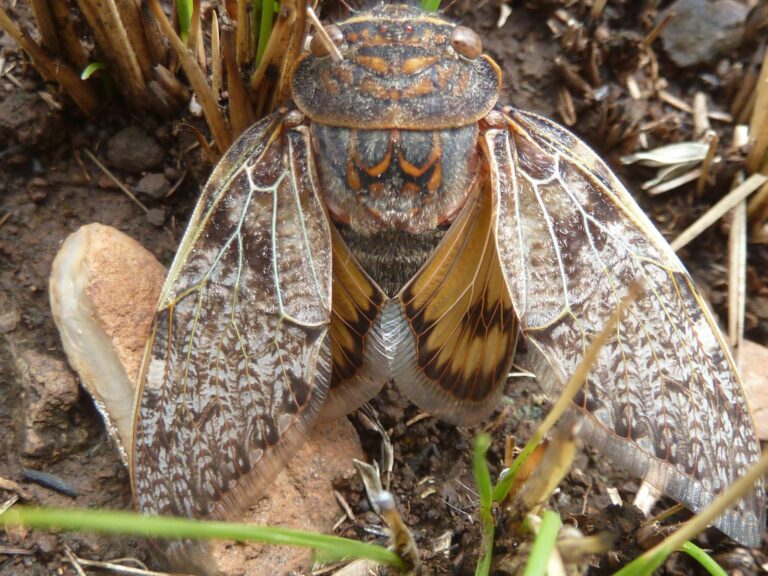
[{"x": 49, "y": 187}]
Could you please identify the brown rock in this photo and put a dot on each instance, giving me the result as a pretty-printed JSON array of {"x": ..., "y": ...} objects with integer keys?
[
  {"x": 754, "y": 362},
  {"x": 702, "y": 30},
  {"x": 154, "y": 185},
  {"x": 104, "y": 286},
  {"x": 133, "y": 150},
  {"x": 49, "y": 391},
  {"x": 124, "y": 285},
  {"x": 301, "y": 497}
]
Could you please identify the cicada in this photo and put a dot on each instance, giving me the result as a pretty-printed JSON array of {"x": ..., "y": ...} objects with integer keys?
[{"x": 396, "y": 223}]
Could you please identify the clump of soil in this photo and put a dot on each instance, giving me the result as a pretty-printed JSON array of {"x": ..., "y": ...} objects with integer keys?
[{"x": 593, "y": 74}]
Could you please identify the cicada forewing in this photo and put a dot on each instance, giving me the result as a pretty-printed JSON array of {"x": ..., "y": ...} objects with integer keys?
[
  {"x": 238, "y": 361},
  {"x": 664, "y": 398}
]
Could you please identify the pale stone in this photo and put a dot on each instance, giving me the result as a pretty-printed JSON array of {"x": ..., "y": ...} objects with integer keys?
[{"x": 754, "y": 369}]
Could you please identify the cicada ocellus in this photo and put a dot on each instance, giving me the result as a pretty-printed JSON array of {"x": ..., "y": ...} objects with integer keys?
[{"x": 396, "y": 223}]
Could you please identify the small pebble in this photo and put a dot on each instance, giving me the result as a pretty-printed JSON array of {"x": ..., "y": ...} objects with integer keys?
[
  {"x": 153, "y": 185},
  {"x": 156, "y": 216},
  {"x": 133, "y": 150},
  {"x": 702, "y": 30}
]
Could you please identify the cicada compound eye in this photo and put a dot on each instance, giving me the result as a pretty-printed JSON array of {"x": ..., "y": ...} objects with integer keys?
[
  {"x": 466, "y": 42},
  {"x": 319, "y": 47}
]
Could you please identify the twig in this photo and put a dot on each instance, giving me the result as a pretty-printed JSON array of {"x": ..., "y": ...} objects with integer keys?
[
  {"x": 713, "y": 140},
  {"x": 737, "y": 278},
  {"x": 72, "y": 559},
  {"x": 116, "y": 181},
  {"x": 120, "y": 568},
  {"x": 325, "y": 38},
  {"x": 658, "y": 29},
  {"x": 11, "y": 486},
  {"x": 758, "y": 124},
  {"x": 676, "y": 182},
  {"x": 727, "y": 203},
  {"x": 344, "y": 504},
  {"x": 8, "y": 551}
]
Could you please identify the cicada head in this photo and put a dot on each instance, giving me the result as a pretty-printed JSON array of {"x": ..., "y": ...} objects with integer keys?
[{"x": 400, "y": 68}]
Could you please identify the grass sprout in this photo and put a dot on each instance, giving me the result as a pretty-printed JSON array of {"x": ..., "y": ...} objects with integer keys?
[
  {"x": 485, "y": 491},
  {"x": 119, "y": 522}
]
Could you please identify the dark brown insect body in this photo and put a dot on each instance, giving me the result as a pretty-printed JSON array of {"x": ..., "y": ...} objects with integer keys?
[
  {"x": 400, "y": 226},
  {"x": 396, "y": 128}
]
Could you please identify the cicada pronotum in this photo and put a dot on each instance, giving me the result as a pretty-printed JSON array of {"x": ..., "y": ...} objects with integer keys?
[{"x": 398, "y": 224}]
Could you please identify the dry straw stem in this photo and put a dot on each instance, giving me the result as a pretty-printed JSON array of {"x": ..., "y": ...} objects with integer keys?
[
  {"x": 285, "y": 44},
  {"x": 243, "y": 32},
  {"x": 82, "y": 93},
  {"x": 45, "y": 24},
  {"x": 727, "y": 203},
  {"x": 196, "y": 44},
  {"x": 240, "y": 112},
  {"x": 758, "y": 124},
  {"x": 119, "y": 566},
  {"x": 550, "y": 471},
  {"x": 117, "y": 182},
  {"x": 67, "y": 34},
  {"x": 197, "y": 79},
  {"x": 706, "y": 165},
  {"x": 215, "y": 56},
  {"x": 105, "y": 21},
  {"x": 737, "y": 278}
]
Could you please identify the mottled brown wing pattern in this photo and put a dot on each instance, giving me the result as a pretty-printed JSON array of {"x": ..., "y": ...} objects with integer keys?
[
  {"x": 238, "y": 361},
  {"x": 359, "y": 361},
  {"x": 663, "y": 398},
  {"x": 457, "y": 330}
]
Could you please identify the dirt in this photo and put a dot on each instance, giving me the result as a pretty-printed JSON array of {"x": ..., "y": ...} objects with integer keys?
[{"x": 49, "y": 187}]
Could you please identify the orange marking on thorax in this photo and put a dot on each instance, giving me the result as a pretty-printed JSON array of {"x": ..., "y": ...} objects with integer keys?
[
  {"x": 413, "y": 65},
  {"x": 434, "y": 156},
  {"x": 373, "y": 63},
  {"x": 424, "y": 87}
]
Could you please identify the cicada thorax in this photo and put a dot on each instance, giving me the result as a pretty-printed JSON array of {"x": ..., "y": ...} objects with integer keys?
[
  {"x": 392, "y": 193},
  {"x": 395, "y": 133}
]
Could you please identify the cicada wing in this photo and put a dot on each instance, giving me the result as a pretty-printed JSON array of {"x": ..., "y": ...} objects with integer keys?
[
  {"x": 664, "y": 398},
  {"x": 452, "y": 327},
  {"x": 360, "y": 363},
  {"x": 238, "y": 362}
]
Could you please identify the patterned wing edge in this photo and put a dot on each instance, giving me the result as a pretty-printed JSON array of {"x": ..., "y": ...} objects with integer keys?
[
  {"x": 238, "y": 360},
  {"x": 539, "y": 147},
  {"x": 360, "y": 361},
  {"x": 452, "y": 327}
]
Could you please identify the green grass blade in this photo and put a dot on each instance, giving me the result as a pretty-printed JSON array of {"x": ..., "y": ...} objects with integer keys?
[
  {"x": 707, "y": 562},
  {"x": 543, "y": 545},
  {"x": 268, "y": 10},
  {"x": 482, "y": 474},
  {"x": 430, "y": 5},
  {"x": 117, "y": 522},
  {"x": 184, "y": 11},
  {"x": 91, "y": 69},
  {"x": 485, "y": 490}
]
